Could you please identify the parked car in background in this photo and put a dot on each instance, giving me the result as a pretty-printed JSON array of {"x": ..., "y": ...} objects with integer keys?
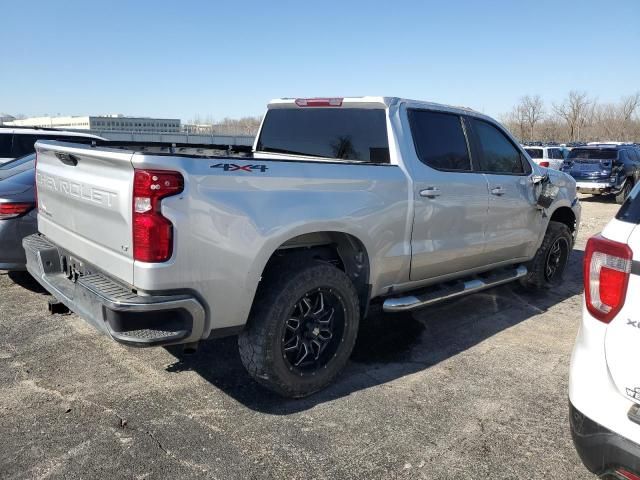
[
  {"x": 16, "y": 142},
  {"x": 17, "y": 213},
  {"x": 604, "y": 380},
  {"x": 345, "y": 201},
  {"x": 550, "y": 157},
  {"x": 604, "y": 169},
  {"x": 17, "y": 165}
]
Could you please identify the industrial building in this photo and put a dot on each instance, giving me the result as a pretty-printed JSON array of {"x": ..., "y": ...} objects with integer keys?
[{"x": 118, "y": 123}]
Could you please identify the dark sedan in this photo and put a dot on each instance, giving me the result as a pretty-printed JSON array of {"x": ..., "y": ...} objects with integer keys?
[{"x": 17, "y": 210}]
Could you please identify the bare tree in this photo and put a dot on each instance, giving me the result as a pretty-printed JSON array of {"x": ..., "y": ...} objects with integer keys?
[
  {"x": 575, "y": 111},
  {"x": 628, "y": 107},
  {"x": 532, "y": 108},
  {"x": 516, "y": 121}
]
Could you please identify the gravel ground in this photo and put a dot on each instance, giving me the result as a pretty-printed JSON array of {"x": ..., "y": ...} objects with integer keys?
[{"x": 475, "y": 388}]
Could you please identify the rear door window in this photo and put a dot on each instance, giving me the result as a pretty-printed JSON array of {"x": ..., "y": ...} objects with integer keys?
[
  {"x": 534, "y": 152},
  {"x": 23, "y": 144},
  {"x": 496, "y": 153},
  {"x": 439, "y": 140},
  {"x": 5, "y": 145},
  {"x": 357, "y": 134}
]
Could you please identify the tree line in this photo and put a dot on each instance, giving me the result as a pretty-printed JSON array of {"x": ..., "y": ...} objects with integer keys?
[{"x": 578, "y": 117}]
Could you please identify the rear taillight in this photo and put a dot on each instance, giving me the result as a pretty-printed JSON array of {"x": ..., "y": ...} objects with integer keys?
[
  {"x": 607, "y": 265},
  {"x": 153, "y": 233},
  {"x": 319, "y": 102},
  {"x": 626, "y": 474},
  {"x": 544, "y": 163},
  {"x": 14, "y": 209}
]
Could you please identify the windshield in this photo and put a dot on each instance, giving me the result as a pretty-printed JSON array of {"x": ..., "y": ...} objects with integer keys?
[
  {"x": 593, "y": 154},
  {"x": 534, "y": 152},
  {"x": 342, "y": 133},
  {"x": 16, "y": 162}
]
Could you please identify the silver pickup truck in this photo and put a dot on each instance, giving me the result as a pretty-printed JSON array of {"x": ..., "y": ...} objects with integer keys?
[{"x": 344, "y": 202}]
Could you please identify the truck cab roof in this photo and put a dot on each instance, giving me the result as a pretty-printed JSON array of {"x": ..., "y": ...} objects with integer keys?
[{"x": 368, "y": 102}]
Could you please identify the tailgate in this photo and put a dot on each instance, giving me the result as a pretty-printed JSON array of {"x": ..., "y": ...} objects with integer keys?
[
  {"x": 622, "y": 340},
  {"x": 85, "y": 203},
  {"x": 590, "y": 168}
]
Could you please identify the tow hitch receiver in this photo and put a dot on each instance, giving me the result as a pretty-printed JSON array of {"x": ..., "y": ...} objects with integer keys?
[{"x": 55, "y": 306}]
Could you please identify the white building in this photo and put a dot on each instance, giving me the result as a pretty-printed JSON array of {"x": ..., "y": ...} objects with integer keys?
[
  {"x": 105, "y": 123},
  {"x": 5, "y": 117}
]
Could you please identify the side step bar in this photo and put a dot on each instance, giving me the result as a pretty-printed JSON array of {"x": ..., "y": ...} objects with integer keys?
[{"x": 439, "y": 293}]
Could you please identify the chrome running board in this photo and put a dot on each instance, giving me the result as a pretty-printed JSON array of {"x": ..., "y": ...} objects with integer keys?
[{"x": 439, "y": 293}]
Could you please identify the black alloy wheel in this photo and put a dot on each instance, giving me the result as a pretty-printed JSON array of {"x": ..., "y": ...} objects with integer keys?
[
  {"x": 313, "y": 331},
  {"x": 556, "y": 259}
]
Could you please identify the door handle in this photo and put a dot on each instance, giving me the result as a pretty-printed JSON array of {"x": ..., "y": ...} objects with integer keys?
[
  {"x": 498, "y": 191},
  {"x": 430, "y": 192}
]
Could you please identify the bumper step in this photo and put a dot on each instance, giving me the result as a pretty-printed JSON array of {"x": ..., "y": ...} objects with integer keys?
[{"x": 112, "y": 307}]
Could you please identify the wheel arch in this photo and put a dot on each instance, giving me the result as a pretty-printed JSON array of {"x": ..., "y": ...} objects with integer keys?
[
  {"x": 566, "y": 216},
  {"x": 342, "y": 249}
]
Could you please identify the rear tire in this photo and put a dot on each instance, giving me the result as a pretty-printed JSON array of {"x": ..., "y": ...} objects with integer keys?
[
  {"x": 622, "y": 195},
  {"x": 547, "y": 267},
  {"x": 302, "y": 328}
]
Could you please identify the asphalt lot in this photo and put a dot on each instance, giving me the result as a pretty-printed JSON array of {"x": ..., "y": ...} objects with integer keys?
[{"x": 475, "y": 388}]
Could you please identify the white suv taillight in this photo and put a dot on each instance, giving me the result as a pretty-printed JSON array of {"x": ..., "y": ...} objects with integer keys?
[
  {"x": 153, "y": 233},
  {"x": 14, "y": 209},
  {"x": 607, "y": 266}
]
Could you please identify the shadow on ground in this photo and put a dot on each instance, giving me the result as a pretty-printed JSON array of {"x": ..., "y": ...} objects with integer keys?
[
  {"x": 389, "y": 346},
  {"x": 604, "y": 198},
  {"x": 25, "y": 280}
]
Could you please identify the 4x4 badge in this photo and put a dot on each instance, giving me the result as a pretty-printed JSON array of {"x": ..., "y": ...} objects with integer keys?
[
  {"x": 633, "y": 323},
  {"x": 232, "y": 167}
]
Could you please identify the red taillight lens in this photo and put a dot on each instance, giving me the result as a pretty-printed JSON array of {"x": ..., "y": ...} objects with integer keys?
[
  {"x": 14, "y": 209},
  {"x": 153, "y": 233},
  {"x": 606, "y": 269},
  {"x": 319, "y": 102},
  {"x": 626, "y": 474},
  {"x": 544, "y": 163}
]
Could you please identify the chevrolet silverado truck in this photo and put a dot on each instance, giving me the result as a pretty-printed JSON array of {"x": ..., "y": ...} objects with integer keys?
[{"x": 344, "y": 203}]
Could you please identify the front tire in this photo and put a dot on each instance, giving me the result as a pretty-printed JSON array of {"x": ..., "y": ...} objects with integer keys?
[
  {"x": 546, "y": 270},
  {"x": 302, "y": 328}
]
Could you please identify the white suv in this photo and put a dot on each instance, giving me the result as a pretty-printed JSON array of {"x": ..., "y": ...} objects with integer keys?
[
  {"x": 550, "y": 157},
  {"x": 604, "y": 384}
]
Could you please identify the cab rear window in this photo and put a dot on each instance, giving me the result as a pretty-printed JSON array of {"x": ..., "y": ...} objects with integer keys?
[
  {"x": 355, "y": 134},
  {"x": 630, "y": 210},
  {"x": 593, "y": 154}
]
